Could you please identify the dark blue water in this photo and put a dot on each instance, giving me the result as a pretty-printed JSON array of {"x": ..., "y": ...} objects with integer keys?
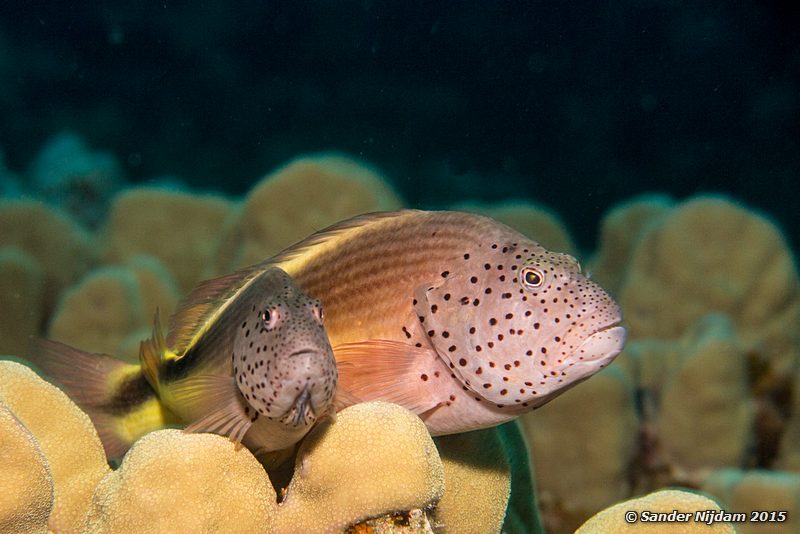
[{"x": 576, "y": 105}]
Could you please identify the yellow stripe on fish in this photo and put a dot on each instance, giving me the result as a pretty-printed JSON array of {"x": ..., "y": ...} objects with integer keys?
[{"x": 427, "y": 309}]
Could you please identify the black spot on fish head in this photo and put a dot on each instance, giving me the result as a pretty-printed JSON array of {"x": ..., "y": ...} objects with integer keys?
[
  {"x": 522, "y": 315},
  {"x": 290, "y": 354}
]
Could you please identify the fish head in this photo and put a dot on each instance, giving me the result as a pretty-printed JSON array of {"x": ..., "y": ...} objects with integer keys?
[
  {"x": 518, "y": 324},
  {"x": 283, "y": 361}
]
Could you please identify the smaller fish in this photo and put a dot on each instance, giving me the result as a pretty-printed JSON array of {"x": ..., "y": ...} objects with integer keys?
[{"x": 260, "y": 370}]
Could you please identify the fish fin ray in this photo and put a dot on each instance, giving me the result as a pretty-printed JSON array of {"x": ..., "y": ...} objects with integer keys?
[
  {"x": 90, "y": 380},
  {"x": 151, "y": 353},
  {"x": 203, "y": 302},
  {"x": 385, "y": 370},
  {"x": 218, "y": 398}
]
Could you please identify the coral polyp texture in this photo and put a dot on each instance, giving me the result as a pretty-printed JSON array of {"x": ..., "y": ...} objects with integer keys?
[
  {"x": 27, "y": 498},
  {"x": 66, "y": 437}
]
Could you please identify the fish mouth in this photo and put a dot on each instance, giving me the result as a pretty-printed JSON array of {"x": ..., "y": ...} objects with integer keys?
[{"x": 302, "y": 412}]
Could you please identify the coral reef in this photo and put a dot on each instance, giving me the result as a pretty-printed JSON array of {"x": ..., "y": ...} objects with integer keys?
[
  {"x": 377, "y": 459},
  {"x": 112, "y": 308},
  {"x": 62, "y": 248},
  {"x": 70, "y": 175},
  {"x": 65, "y": 436},
  {"x": 305, "y": 195},
  {"x": 758, "y": 490},
  {"x": 179, "y": 229},
  {"x": 612, "y": 520},
  {"x": 620, "y": 230},
  {"x": 197, "y": 481},
  {"x": 585, "y": 439},
  {"x": 27, "y": 498},
  {"x": 21, "y": 295},
  {"x": 478, "y": 482},
  {"x": 711, "y": 254}
]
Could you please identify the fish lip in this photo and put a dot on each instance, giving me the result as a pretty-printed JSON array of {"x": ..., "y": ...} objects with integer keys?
[{"x": 296, "y": 414}]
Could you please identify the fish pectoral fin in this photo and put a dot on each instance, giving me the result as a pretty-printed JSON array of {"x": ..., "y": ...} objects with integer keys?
[
  {"x": 386, "y": 370},
  {"x": 217, "y": 403}
]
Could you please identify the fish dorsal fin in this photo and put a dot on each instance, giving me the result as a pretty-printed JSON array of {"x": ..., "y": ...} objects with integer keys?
[
  {"x": 218, "y": 397},
  {"x": 208, "y": 299},
  {"x": 152, "y": 351},
  {"x": 380, "y": 369},
  {"x": 333, "y": 231}
]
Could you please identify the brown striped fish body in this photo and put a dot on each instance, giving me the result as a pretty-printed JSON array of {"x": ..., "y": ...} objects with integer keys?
[{"x": 455, "y": 316}]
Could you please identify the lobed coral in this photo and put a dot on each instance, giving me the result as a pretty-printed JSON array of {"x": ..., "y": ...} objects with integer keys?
[
  {"x": 758, "y": 490},
  {"x": 612, "y": 520},
  {"x": 66, "y": 438},
  {"x": 22, "y": 297},
  {"x": 478, "y": 482},
  {"x": 708, "y": 255},
  {"x": 111, "y": 309},
  {"x": 27, "y": 499},
  {"x": 305, "y": 195},
  {"x": 62, "y": 248},
  {"x": 585, "y": 439},
  {"x": 179, "y": 229}
]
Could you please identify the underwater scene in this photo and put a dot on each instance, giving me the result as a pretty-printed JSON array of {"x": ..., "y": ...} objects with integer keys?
[{"x": 400, "y": 267}]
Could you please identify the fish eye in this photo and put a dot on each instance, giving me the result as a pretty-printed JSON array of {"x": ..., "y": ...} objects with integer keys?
[
  {"x": 532, "y": 278},
  {"x": 269, "y": 317}
]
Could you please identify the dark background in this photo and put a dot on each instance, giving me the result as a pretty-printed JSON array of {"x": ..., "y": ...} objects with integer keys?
[{"x": 576, "y": 105}]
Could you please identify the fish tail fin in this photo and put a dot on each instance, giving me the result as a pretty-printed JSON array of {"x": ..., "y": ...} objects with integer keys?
[
  {"x": 151, "y": 352},
  {"x": 114, "y": 394}
]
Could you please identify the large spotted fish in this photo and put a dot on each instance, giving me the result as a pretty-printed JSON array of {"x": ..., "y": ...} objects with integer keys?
[
  {"x": 455, "y": 316},
  {"x": 259, "y": 369}
]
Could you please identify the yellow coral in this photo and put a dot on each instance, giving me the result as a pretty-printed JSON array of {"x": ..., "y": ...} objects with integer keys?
[
  {"x": 711, "y": 255},
  {"x": 66, "y": 437},
  {"x": 533, "y": 220},
  {"x": 27, "y": 497},
  {"x": 377, "y": 458},
  {"x": 21, "y": 295},
  {"x": 705, "y": 416},
  {"x": 613, "y": 520},
  {"x": 620, "y": 230},
  {"x": 171, "y": 481},
  {"x": 307, "y": 194},
  {"x": 477, "y": 480},
  {"x": 101, "y": 312},
  {"x": 180, "y": 229},
  {"x": 60, "y": 246},
  {"x": 748, "y": 491},
  {"x": 582, "y": 444}
]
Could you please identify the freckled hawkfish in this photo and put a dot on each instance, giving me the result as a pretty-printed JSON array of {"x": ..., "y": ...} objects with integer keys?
[
  {"x": 257, "y": 367},
  {"x": 459, "y": 318}
]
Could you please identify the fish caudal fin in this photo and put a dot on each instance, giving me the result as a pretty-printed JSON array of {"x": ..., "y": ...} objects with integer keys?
[
  {"x": 379, "y": 369},
  {"x": 114, "y": 394}
]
